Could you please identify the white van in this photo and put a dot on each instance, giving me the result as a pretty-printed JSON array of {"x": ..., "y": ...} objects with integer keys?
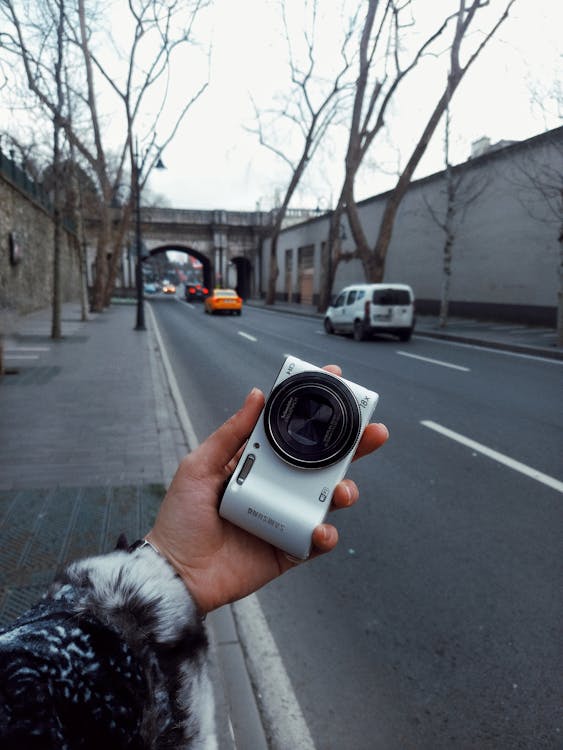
[{"x": 363, "y": 309}]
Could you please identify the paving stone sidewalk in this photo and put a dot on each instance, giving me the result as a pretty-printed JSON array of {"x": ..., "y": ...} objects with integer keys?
[
  {"x": 89, "y": 440},
  {"x": 87, "y": 445}
]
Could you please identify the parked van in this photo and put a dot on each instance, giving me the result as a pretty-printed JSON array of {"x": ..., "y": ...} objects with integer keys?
[{"x": 364, "y": 309}]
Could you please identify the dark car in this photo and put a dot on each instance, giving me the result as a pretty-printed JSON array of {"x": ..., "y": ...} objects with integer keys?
[{"x": 196, "y": 292}]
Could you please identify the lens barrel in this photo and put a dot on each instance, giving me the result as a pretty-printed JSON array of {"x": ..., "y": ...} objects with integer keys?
[{"x": 312, "y": 420}]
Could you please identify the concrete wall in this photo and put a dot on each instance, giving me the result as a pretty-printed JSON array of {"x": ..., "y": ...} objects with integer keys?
[
  {"x": 506, "y": 252},
  {"x": 28, "y": 285}
]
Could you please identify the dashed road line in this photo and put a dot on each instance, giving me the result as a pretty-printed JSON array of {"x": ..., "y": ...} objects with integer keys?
[
  {"x": 21, "y": 356},
  {"x": 247, "y": 336},
  {"x": 495, "y": 455},
  {"x": 434, "y": 361},
  {"x": 13, "y": 349}
]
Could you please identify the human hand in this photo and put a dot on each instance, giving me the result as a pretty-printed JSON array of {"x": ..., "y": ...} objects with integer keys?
[{"x": 218, "y": 562}]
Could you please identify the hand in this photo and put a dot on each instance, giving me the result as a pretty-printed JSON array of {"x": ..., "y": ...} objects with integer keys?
[{"x": 218, "y": 562}]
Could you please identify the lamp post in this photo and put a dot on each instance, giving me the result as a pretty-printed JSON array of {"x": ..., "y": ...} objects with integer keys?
[
  {"x": 140, "y": 325},
  {"x": 140, "y": 321}
]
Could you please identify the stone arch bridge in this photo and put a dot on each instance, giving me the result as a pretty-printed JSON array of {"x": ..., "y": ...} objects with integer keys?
[{"x": 227, "y": 243}]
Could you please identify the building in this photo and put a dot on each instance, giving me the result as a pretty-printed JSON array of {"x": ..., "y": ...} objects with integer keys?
[{"x": 506, "y": 253}]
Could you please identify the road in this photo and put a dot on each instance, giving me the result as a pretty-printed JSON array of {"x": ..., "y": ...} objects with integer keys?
[{"x": 436, "y": 622}]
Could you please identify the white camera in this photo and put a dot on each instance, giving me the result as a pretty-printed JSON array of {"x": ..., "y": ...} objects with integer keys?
[{"x": 297, "y": 453}]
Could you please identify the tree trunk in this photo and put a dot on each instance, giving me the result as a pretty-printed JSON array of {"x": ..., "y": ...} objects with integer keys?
[
  {"x": 399, "y": 192},
  {"x": 446, "y": 278},
  {"x": 100, "y": 281},
  {"x": 115, "y": 260},
  {"x": 274, "y": 267},
  {"x": 56, "y": 332},
  {"x": 560, "y": 290},
  {"x": 330, "y": 260}
]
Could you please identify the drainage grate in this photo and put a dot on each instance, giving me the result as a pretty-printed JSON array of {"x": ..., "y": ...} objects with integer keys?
[{"x": 42, "y": 529}]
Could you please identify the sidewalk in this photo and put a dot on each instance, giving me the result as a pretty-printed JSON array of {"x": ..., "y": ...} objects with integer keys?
[
  {"x": 513, "y": 337},
  {"x": 89, "y": 439}
]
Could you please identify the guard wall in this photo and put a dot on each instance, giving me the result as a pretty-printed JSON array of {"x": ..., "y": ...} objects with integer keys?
[
  {"x": 505, "y": 253},
  {"x": 26, "y": 251}
]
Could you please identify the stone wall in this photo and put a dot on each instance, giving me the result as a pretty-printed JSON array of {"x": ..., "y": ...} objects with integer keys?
[{"x": 26, "y": 253}]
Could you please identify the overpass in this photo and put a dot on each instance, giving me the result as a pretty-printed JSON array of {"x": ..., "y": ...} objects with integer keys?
[{"x": 227, "y": 243}]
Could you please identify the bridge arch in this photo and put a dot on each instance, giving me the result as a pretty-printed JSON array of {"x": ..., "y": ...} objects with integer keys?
[{"x": 207, "y": 266}]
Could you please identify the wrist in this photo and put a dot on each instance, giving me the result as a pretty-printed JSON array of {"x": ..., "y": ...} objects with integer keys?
[{"x": 149, "y": 541}]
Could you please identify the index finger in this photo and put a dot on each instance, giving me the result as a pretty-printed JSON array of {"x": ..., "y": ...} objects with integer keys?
[{"x": 373, "y": 437}]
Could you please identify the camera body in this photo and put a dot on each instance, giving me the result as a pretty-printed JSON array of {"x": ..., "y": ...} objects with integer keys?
[{"x": 299, "y": 450}]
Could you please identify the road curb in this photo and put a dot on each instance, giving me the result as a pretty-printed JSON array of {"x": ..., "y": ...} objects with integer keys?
[
  {"x": 237, "y": 698},
  {"x": 534, "y": 351}
]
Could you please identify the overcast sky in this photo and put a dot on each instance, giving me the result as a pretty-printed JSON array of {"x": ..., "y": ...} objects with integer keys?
[{"x": 215, "y": 163}]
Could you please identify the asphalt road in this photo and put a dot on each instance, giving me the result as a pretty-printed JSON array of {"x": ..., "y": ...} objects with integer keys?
[{"x": 437, "y": 621}]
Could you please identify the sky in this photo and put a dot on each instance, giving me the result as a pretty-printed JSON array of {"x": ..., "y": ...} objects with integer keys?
[{"x": 215, "y": 162}]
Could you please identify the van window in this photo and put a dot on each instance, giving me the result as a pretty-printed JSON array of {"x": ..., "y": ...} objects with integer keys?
[
  {"x": 361, "y": 295},
  {"x": 339, "y": 300},
  {"x": 351, "y": 297},
  {"x": 391, "y": 297}
]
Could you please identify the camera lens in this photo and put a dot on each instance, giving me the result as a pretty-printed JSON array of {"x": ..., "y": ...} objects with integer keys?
[{"x": 312, "y": 420}]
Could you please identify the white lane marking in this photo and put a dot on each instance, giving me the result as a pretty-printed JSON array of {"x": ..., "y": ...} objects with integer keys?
[
  {"x": 496, "y": 456},
  {"x": 12, "y": 349},
  {"x": 278, "y": 699},
  {"x": 434, "y": 361},
  {"x": 21, "y": 356},
  {"x": 490, "y": 349},
  {"x": 282, "y": 714},
  {"x": 247, "y": 336}
]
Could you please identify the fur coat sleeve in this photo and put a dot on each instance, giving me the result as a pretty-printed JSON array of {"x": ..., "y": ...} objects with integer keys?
[{"x": 114, "y": 656}]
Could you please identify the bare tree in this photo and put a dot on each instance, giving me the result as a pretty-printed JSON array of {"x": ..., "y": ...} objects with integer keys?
[
  {"x": 167, "y": 24},
  {"x": 537, "y": 179},
  {"x": 310, "y": 108},
  {"x": 462, "y": 189},
  {"x": 152, "y": 20},
  {"x": 383, "y": 39}
]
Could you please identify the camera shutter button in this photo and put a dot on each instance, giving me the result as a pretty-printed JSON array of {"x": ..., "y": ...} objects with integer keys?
[{"x": 246, "y": 467}]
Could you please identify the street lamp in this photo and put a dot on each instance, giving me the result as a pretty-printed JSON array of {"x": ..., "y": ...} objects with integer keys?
[{"x": 140, "y": 322}]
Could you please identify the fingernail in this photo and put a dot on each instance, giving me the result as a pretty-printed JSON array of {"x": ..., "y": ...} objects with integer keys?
[{"x": 384, "y": 427}]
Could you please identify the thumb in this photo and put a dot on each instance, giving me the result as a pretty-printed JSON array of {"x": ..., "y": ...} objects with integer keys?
[{"x": 223, "y": 444}]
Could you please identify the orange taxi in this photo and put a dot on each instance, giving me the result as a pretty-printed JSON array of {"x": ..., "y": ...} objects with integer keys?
[{"x": 223, "y": 300}]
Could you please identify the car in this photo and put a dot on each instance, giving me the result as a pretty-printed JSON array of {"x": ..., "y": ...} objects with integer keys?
[
  {"x": 169, "y": 288},
  {"x": 365, "y": 309},
  {"x": 195, "y": 291},
  {"x": 223, "y": 300},
  {"x": 150, "y": 287}
]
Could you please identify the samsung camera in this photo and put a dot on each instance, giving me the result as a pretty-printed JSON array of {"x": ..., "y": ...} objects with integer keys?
[{"x": 297, "y": 453}]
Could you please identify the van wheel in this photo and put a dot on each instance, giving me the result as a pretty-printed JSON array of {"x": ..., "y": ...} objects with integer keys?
[
  {"x": 329, "y": 328},
  {"x": 405, "y": 334},
  {"x": 359, "y": 331}
]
